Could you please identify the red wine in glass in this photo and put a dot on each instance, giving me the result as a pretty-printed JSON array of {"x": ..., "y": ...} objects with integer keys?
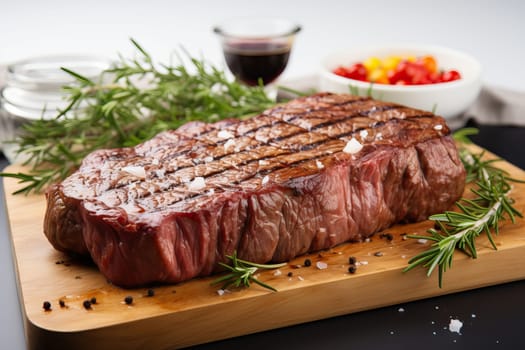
[
  {"x": 255, "y": 62},
  {"x": 257, "y": 50}
]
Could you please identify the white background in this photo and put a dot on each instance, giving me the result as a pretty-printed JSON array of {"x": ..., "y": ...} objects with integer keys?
[{"x": 491, "y": 31}]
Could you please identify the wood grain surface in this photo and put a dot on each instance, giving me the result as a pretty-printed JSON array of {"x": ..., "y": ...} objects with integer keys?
[{"x": 193, "y": 312}]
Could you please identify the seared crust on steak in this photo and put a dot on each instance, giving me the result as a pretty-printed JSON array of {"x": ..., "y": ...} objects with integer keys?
[{"x": 271, "y": 187}]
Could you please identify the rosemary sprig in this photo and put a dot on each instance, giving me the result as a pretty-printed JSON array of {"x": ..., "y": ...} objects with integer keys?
[
  {"x": 242, "y": 273},
  {"x": 458, "y": 230},
  {"x": 129, "y": 103}
]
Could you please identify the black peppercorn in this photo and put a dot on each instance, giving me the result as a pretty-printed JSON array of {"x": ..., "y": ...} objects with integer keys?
[
  {"x": 87, "y": 304},
  {"x": 352, "y": 269},
  {"x": 46, "y": 305},
  {"x": 62, "y": 303},
  {"x": 290, "y": 274},
  {"x": 296, "y": 192},
  {"x": 128, "y": 300},
  {"x": 150, "y": 292},
  {"x": 93, "y": 300},
  {"x": 352, "y": 260},
  {"x": 387, "y": 236},
  {"x": 307, "y": 262}
]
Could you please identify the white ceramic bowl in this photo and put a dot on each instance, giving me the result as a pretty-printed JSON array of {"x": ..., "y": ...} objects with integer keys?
[{"x": 446, "y": 99}]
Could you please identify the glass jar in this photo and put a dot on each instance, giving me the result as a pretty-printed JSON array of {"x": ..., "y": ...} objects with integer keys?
[{"x": 34, "y": 89}]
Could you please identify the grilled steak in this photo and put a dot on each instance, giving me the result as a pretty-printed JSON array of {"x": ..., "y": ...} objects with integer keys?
[{"x": 307, "y": 175}]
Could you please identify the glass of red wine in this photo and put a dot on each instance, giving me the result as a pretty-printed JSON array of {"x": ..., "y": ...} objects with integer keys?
[{"x": 256, "y": 50}]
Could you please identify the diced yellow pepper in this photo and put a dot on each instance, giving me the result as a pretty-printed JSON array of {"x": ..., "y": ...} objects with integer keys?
[
  {"x": 372, "y": 63},
  {"x": 390, "y": 63},
  {"x": 378, "y": 76}
]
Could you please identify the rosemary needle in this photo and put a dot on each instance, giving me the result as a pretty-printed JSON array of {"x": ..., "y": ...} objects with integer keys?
[
  {"x": 242, "y": 273},
  {"x": 458, "y": 230}
]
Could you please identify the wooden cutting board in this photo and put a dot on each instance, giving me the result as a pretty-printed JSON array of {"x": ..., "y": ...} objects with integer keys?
[{"x": 193, "y": 312}]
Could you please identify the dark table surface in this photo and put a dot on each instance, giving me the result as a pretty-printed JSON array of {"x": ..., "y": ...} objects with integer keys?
[{"x": 493, "y": 317}]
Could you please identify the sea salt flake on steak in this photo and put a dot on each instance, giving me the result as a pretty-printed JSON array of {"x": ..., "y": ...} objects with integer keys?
[{"x": 353, "y": 146}]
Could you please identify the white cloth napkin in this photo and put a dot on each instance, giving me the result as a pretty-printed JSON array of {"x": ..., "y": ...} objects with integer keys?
[{"x": 498, "y": 106}]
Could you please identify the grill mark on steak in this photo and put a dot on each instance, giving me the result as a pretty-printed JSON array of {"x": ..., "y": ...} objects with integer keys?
[
  {"x": 277, "y": 139},
  {"x": 244, "y": 166},
  {"x": 356, "y": 113},
  {"x": 333, "y": 121},
  {"x": 243, "y": 174},
  {"x": 193, "y": 195},
  {"x": 379, "y": 124},
  {"x": 185, "y": 194}
]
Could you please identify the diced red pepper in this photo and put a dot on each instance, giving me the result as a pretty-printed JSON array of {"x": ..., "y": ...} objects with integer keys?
[
  {"x": 409, "y": 71},
  {"x": 356, "y": 71},
  {"x": 450, "y": 75}
]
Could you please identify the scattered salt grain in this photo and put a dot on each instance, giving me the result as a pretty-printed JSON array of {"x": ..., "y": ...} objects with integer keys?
[
  {"x": 263, "y": 162},
  {"x": 137, "y": 171},
  {"x": 352, "y": 147},
  {"x": 229, "y": 143},
  {"x": 155, "y": 161},
  {"x": 321, "y": 265},
  {"x": 401, "y": 309},
  {"x": 422, "y": 241},
  {"x": 265, "y": 180},
  {"x": 220, "y": 292},
  {"x": 300, "y": 278},
  {"x": 208, "y": 159},
  {"x": 379, "y": 136},
  {"x": 473, "y": 315},
  {"x": 364, "y": 134},
  {"x": 455, "y": 325},
  {"x": 223, "y": 134},
  {"x": 277, "y": 273},
  {"x": 160, "y": 173},
  {"x": 197, "y": 184},
  {"x": 438, "y": 127},
  {"x": 319, "y": 164}
]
